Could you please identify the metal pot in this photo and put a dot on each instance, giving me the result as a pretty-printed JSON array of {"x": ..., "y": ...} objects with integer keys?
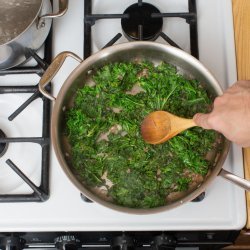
[
  {"x": 24, "y": 25},
  {"x": 151, "y": 51}
]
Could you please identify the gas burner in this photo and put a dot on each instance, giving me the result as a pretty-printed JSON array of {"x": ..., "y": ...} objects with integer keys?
[
  {"x": 13, "y": 133},
  {"x": 3, "y": 146},
  {"x": 25, "y": 119},
  {"x": 141, "y": 25}
]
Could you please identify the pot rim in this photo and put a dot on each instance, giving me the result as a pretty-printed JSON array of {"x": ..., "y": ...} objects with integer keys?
[
  {"x": 28, "y": 27},
  {"x": 55, "y": 135}
]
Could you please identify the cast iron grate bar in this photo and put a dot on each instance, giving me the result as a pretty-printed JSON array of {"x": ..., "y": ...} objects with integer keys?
[
  {"x": 17, "y": 89},
  {"x": 21, "y": 70},
  {"x": 200, "y": 197},
  {"x": 169, "y": 40},
  {"x": 41, "y": 193},
  {"x": 42, "y": 63},
  {"x": 185, "y": 15},
  {"x": 85, "y": 199},
  {"x": 40, "y": 140},
  {"x": 24, "y": 105},
  {"x": 193, "y": 29},
  {"x": 140, "y": 32},
  {"x": 91, "y": 18},
  {"x": 87, "y": 29},
  {"x": 37, "y": 190},
  {"x": 113, "y": 40}
]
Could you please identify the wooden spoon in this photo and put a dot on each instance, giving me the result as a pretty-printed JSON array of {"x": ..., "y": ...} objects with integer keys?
[{"x": 160, "y": 126}]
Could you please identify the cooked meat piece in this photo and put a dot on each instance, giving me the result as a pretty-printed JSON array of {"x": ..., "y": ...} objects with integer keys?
[{"x": 135, "y": 90}]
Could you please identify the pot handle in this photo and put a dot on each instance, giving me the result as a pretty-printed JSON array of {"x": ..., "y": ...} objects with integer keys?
[
  {"x": 52, "y": 70},
  {"x": 63, "y": 6},
  {"x": 235, "y": 179}
]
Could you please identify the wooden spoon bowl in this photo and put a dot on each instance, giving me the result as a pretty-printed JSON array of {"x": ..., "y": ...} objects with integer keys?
[{"x": 160, "y": 126}]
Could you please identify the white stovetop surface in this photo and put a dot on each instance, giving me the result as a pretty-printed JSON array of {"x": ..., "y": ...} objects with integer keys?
[{"x": 224, "y": 205}]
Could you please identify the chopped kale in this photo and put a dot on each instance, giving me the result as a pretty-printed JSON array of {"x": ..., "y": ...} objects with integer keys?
[{"x": 103, "y": 128}]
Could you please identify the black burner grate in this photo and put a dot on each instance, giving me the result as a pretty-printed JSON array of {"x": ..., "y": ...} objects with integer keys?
[
  {"x": 41, "y": 192},
  {"x": 190, "y": 17}
]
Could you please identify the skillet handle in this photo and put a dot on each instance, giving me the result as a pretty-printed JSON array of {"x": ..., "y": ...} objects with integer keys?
[
  {"x": 63, "y": 6},
  {"x": 235, "y": 179},
  {"x": 52, "y": 70}
]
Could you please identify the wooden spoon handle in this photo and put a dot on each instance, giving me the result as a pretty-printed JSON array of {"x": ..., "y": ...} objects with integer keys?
[{"x": 182, "y": 123}]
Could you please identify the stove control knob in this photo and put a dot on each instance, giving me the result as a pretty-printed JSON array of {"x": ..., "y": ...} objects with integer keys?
[
  {"x": 123, "y": 242},
  {"x": 67, "y": 242},
  {"x": 12, "y": 243},
  {"x": 164, "y": 242}
]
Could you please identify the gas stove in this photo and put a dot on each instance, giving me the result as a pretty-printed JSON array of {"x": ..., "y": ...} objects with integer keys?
[{"x": 38, "y": 202}]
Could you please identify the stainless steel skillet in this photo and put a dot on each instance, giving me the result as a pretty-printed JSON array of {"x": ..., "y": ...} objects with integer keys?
[{"x": 151, "y": 51}]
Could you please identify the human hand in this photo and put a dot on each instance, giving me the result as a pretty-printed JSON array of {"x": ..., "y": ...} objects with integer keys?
[{"x": 230, "y": 115}]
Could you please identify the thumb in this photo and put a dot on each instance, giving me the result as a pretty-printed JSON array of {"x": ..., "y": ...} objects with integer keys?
[{"x": 202, "y": 120}]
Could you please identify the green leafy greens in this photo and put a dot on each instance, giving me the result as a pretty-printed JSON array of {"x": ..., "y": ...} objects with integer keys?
[{"x": 107, "y": 149}]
